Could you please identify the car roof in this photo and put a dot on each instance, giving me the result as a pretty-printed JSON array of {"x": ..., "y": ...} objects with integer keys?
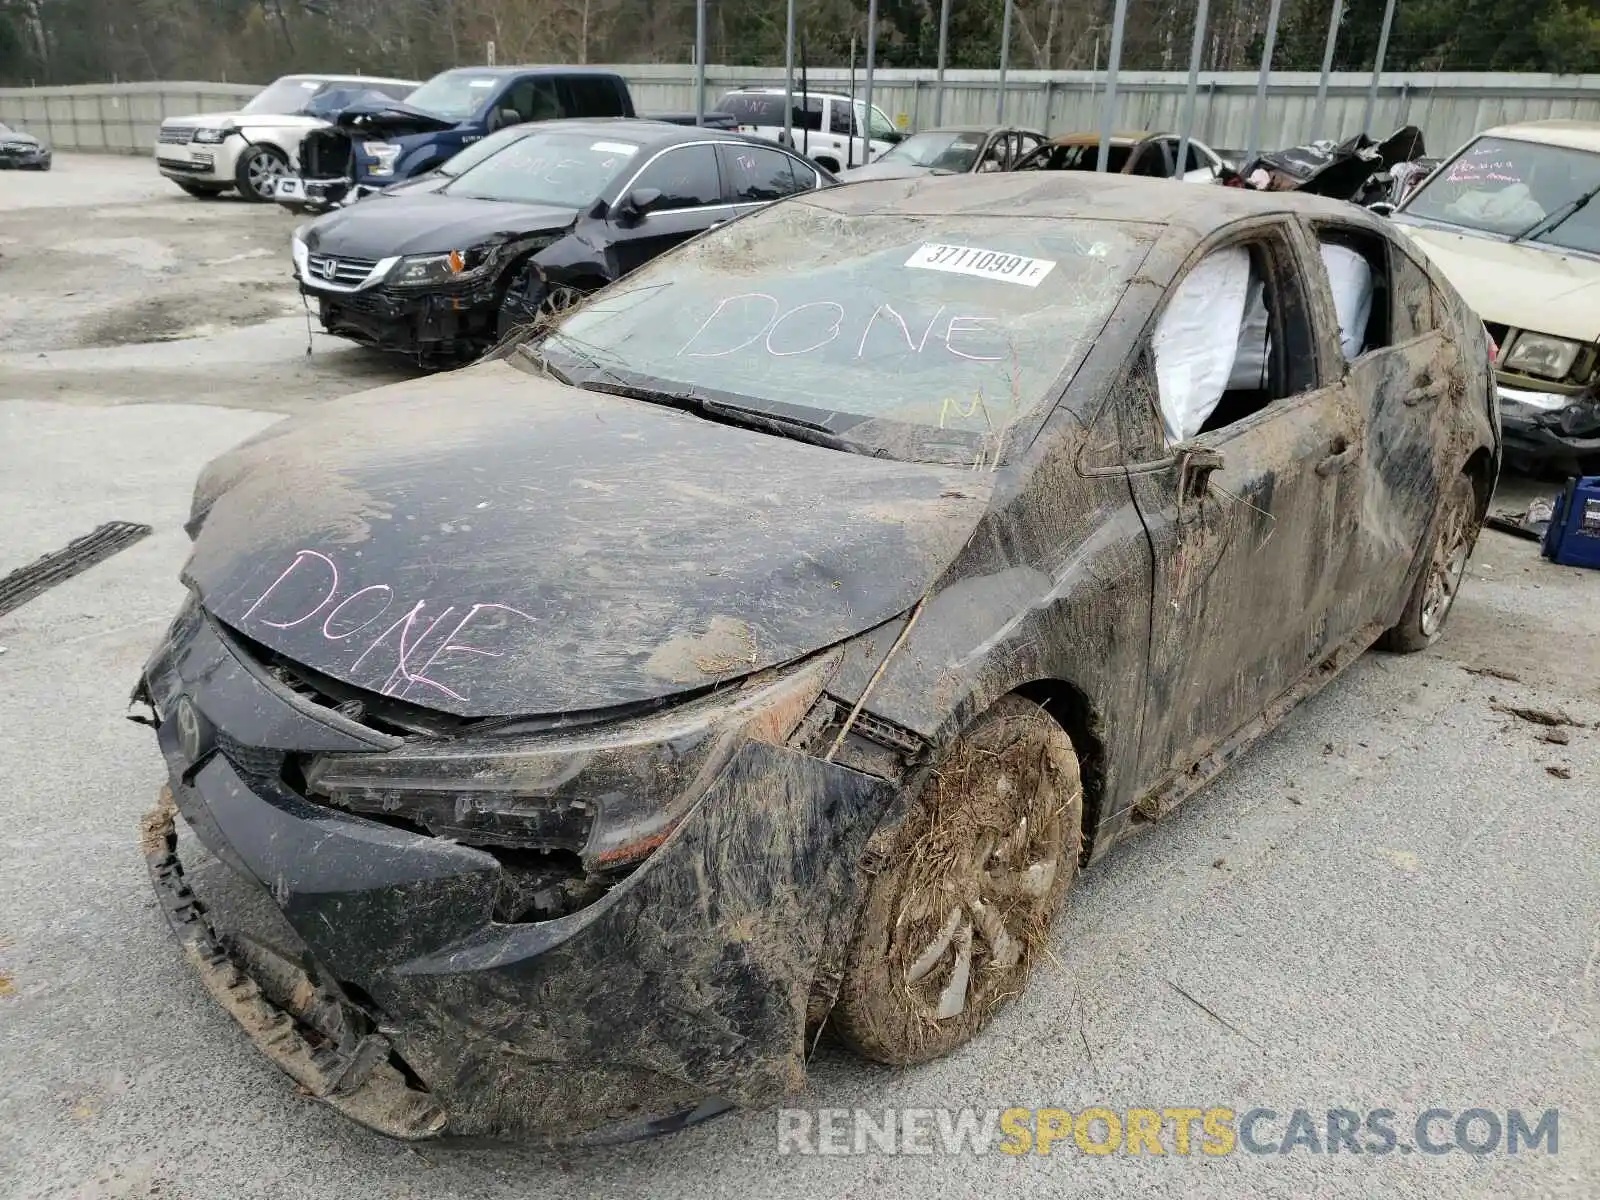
[
  {"x": 767, "y": 90},
  {"x": 324, "y": 78},
  {"x": 1083, "y": 195},
  {"x": 644, "y": 131},
  {"x": 1121, "y": 138},
  {"x": 530, "y": 69},
  {"x": 1576, "y": 135}
]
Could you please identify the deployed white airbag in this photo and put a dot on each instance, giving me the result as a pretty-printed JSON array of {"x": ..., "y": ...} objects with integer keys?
[
  {"x": 1198, "y": 339},
  {"x": 1350, "y": 277}
]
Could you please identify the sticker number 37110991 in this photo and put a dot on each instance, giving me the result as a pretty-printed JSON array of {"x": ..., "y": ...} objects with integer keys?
[{"x": 985, "y": 264}]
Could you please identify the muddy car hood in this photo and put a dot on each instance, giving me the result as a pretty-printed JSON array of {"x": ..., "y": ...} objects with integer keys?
[
  {"x": 1517, "y": 285},
  {"x": 425, "y": 223},
  {"x": 491, "y": 543}
]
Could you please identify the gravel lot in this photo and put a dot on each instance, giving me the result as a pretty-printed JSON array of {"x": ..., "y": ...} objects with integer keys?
[{"x": 1393, "y": 901}]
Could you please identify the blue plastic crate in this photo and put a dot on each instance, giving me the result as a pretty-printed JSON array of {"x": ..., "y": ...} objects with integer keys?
[{"x": 1573, "y": 538}]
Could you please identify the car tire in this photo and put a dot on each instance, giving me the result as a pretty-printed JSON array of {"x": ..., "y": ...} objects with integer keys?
[
  {"x": 259, "y": 167},
  {"x": 962, "y": 890},
  {"x": 200, "y": 191},
  {"x": 1451, "y": 538}
]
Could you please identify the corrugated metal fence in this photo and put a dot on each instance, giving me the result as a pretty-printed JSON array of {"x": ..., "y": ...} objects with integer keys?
[{"x": 1449, "y": 107}]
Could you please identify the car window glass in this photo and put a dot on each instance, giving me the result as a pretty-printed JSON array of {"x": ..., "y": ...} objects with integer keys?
[
  {"x": 533, "y": 100},
  {"x": 1235, "y": 335},
  {"x": 753, "y": 108},
  {"x": 804, "y": 177},
  {"x": 839, "y": 120},
  {"x": 1413, "y": 297},
  {"x": 685, "y": 177},
  {"x": 549, "y": 165},
  {"x": 594, "y": 96},
  {"x": 1355, "y": 266},
  {"x": 1030, "y": 142},
  {"x": 756, "y": 175},
  {"x": 994, "y": 158},
  {"x": 1151, "y": 161}
]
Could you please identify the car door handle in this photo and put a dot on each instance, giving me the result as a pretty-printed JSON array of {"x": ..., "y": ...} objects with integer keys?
[
  {"x": 1428, "y": 391},
  {"x": 1341, "y": 455}
]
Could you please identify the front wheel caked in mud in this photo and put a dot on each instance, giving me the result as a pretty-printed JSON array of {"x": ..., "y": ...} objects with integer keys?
[{"x": 962, "y": 897}]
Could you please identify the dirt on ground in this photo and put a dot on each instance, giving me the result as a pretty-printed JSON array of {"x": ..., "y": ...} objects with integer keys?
[{"x": 110, "y": 274}]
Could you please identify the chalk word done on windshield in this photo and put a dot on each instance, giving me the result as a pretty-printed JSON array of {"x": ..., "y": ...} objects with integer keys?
[
  {"x": 785, "y": 332},
  {"x": 414, "y": 647}
]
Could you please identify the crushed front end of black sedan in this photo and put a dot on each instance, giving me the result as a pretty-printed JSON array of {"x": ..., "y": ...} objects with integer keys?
[{"x": 444, "y": 915}]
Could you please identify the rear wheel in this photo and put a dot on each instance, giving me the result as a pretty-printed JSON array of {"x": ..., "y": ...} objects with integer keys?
[
  {"x": 1434, "y": 593},
  {"x": 966, "y": 889},
  {"x": 259, "y": 169}
]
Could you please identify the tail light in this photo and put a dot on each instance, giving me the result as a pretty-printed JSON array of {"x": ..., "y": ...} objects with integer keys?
[{"x": 1494, "y": 347}]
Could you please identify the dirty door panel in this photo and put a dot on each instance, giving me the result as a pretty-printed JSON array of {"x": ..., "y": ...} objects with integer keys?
[
  {"x": 1246, "y": 563},
  {"x": 1404, "y": 390}
]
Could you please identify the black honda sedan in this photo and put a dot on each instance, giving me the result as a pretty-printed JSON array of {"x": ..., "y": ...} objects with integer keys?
[{"x": 524, "y": 222}]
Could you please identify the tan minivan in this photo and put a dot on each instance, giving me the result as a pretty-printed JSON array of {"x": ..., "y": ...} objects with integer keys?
[{"x": 1509, "y": 220}]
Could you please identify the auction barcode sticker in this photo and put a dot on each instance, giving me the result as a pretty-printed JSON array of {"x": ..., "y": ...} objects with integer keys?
[{"x": 985, "y": 264}]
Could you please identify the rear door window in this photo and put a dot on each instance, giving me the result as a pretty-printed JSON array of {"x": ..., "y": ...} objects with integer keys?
[
  {"x": 756, "y": 175},
  {"x": 1413, "y": 297},
  {"x": 534, "y": 100},
  {"x": 594, "y": 96}
]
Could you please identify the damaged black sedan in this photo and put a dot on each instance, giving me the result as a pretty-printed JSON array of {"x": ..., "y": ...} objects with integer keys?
[
  {"x": 557, "y": 745},
  {"x": 524, "y": 223}
]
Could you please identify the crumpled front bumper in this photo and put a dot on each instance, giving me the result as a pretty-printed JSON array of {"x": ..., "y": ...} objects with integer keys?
[
  {"x": 363, "y": 959},
  {"x": 439, "y": 323},
  {"x": 34, "y": 158},
  {"x": 1536, "y": 434}
]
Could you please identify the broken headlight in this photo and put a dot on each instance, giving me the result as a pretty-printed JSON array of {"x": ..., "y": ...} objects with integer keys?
[
  {"x": 609, "y": 791},
  {"x": 453, "y": 266},
  {"x": 1541, "y": 355},
  {"x": 383, "y": 156}
]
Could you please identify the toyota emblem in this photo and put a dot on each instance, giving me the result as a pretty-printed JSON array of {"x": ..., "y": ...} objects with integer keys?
[{"x": 190, "y": 738}]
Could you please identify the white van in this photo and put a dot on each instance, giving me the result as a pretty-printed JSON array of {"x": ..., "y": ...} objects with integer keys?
[{"x": 827, "y": 125}]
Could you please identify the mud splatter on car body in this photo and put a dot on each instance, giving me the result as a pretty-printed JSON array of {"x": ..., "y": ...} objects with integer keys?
[{"x": 539, "y": 724}]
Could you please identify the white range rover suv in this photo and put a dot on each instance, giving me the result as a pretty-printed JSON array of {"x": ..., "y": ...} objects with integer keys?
[
  {"x": 827, "y": 126},
  {"x": 250, "y": 149}
]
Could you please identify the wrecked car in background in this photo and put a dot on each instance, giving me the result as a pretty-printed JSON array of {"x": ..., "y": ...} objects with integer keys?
[
  {"x": 1373, "y": 174},
  {"x": 250, "y": 150},
  {"x": 22, "y": 151},
  {"x": 956, "y": 150},
  {"x": 373, "y": 145},
  {"x": 555, "y": 745},
  {"x": 1510, "y": 219},
  {"x": 524, "y": 223},
  {"x": 1154, "y": 155}
]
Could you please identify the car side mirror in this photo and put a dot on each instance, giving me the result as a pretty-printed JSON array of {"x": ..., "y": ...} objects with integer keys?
[
  {"x": 1195, "y": 465},
  {"x": 635, "y": 205}
]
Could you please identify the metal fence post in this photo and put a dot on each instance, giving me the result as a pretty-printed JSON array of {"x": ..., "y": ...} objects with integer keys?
[
  {"x": 1005, "y": 58},
  {"x": 1377, "y": 67},
  {"x": 1108, "y": 118},
  {"x": 1321, "y": 108},
  {"x": 788, "y": 79},
  {"x": 1261, "y": 82},
  {"x": 872, "y": 54},
  {"x": 944, "y": 46},
  {"x": 1190, "y": 88},
  {"x": 700, "y": 62}
]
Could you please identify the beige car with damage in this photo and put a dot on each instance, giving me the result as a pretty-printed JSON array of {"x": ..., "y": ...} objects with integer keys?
[{"x": 1509, "y": 220}]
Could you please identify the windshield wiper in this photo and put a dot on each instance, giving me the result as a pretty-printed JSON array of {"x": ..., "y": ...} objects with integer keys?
[
  {"x": 609, "y": 382},
  {"x": 1548, "y": 222}
]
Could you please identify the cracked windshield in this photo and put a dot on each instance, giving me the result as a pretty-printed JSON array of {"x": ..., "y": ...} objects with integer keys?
[{"x": 918, "y": 337}]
